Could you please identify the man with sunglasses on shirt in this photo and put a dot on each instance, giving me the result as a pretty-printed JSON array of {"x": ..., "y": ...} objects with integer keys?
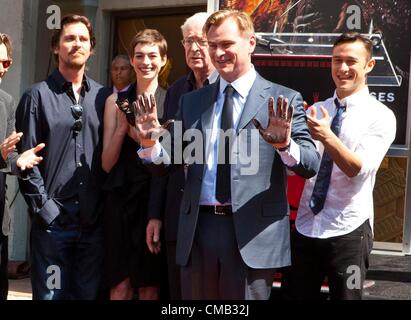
[
  {"x": 63, "y": 192},
  {"x": 10, "y": 160}
]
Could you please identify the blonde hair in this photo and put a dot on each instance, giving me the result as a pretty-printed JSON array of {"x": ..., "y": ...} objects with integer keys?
[{"x": 243, "y": 20}]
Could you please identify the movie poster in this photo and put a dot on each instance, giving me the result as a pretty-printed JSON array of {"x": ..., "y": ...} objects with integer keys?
[{"x": 389, "y": 18}]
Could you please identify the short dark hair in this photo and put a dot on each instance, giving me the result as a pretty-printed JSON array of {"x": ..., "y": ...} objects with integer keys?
[
  {"x": 352, "y": 36},
  {"x": 73, "y": 18},
  {"x": 5, "y": 39},
  {"x": 149, "y": 36}
]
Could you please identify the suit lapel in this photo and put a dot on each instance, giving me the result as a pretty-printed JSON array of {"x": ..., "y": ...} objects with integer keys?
[{"x": 255, "y": 101}]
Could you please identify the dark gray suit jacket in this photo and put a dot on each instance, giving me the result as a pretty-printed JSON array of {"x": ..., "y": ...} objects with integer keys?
[
  {"x": 259, "y": 200},
  {"x": 7, "y": 121}
]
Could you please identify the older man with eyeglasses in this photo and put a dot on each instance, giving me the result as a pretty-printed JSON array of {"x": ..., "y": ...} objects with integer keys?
[
  {"x": 10, "y": 160},
  {"x": 167, "y": 191},
  {"x": 64, "y": 192}
]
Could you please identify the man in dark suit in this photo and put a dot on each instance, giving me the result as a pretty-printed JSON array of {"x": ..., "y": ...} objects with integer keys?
[
  {"x": 233, "y": 229},
  {"x": 10, "y": 160},
  {"x": 167, "y": 191}
]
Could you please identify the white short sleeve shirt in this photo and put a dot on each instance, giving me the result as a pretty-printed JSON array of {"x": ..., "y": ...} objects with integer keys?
[{"x": 368, "y": 128}]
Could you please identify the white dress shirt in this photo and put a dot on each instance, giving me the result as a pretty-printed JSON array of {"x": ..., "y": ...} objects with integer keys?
[
  {"x": 115, "y": 90},
  {"x": 368, "y": 128}
]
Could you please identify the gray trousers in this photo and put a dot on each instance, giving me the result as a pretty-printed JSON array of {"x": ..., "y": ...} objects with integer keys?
[{"x": 216, "y": 270}]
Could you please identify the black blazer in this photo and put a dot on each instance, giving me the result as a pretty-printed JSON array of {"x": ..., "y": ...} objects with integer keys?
[{"x": 167, "y": 191}]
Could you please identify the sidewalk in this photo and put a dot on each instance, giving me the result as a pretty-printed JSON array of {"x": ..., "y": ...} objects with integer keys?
[
  {"x": 388, "y": 278},
  {"x": 392, "y": 277},
  {"x": 19, "y": 289}
]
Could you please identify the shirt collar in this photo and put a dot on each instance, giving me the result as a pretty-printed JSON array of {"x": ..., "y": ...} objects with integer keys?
[
  {"x": 353, "y": 99},
  {"x": 213, "y": 76},
  {"x": 64, "y": 84},
  {"x": 243, "y": 84},
  {"x": 191, "y": 79},
  {"x": 115, "y": 90}
]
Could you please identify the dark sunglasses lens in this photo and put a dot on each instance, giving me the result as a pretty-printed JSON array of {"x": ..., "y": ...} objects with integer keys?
[
  {"x": 77, "y": 111},
  {"x": 77, "y": 126}
]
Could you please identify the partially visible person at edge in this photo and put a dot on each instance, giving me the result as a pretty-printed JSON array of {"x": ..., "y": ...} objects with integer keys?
[
  {"x": 233, "y": 227},
  {"x": 10, "y": 160},
  {"x": 129, "y": 266},
  {"x": 64, "y": 192},
  {"x": 165, "y": 198},
  {"x": 333, "y": 236}
]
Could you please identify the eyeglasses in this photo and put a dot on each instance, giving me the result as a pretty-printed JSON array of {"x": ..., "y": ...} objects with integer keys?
[
  {"x": 6, "y": 63},
  {"x": 188, "y": 42},
  {"x": 77, "y": 112}
]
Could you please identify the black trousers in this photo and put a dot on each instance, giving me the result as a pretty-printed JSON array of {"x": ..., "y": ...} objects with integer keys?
[
  {"x": 343, "y": 260},
  {"x": 4, "y": 283},
  {"x": 173, "y": 271}
]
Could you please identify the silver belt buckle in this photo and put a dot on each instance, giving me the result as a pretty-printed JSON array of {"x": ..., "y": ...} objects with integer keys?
[{"x": 216, "y": 210}]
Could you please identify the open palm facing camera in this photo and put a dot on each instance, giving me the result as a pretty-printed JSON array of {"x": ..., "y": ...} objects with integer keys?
[
  {"x": 278, "y": 131},
  {"x": 147, "y": 127}
]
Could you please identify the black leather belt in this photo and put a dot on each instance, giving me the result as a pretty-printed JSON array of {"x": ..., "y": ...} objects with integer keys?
[{"x": 218, "y": 210}]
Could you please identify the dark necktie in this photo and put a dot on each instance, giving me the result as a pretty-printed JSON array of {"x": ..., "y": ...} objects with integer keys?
[
  {"x": 324, "y": 174},
  {"x": 223, "y": 187},
  {"x": 206, "y": 82}
]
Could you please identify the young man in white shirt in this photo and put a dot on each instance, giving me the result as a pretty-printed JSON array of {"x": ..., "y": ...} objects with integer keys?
[{"x": 333, "y": 236}]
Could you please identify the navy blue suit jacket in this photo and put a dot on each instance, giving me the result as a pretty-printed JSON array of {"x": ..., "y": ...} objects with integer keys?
[{"x": 167, "y": 191}]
